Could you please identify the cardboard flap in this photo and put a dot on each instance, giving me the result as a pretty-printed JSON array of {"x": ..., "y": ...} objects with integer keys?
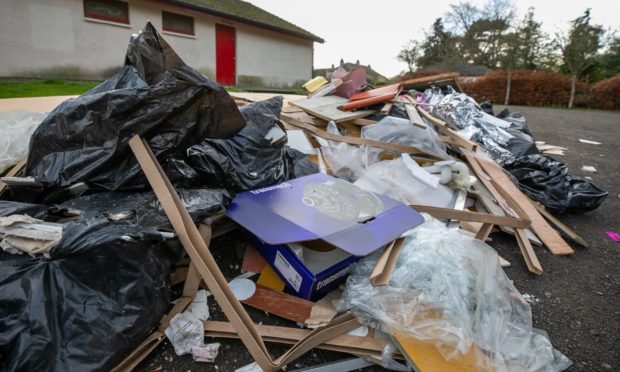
[{"x": 318, "y": 207}]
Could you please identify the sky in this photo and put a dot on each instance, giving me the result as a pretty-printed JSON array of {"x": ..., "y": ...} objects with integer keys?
[{"x": 375, "y": 31}]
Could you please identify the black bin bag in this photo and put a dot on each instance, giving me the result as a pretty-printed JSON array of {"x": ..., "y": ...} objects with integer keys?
[
  {"x": 252, "y": 158},
  {"x": 102, "y": 290},
  {"x": 547, "y": 181},
  {"x": 154, "y": 95},
  {"x": 98, "y": 295}
]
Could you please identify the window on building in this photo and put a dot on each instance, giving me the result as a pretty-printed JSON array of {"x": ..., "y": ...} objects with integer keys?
[
  {"x": 107, "y": 10},
  {"x": 178, "y": 23}
]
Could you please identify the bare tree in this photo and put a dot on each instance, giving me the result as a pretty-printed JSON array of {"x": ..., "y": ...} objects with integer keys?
[
  {"x": 579, "y": 49},
  {"x": 462, "y": 16},
  {"x": 409, "y": 54}
]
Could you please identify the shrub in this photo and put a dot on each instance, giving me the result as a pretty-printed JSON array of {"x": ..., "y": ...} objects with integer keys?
[{"x": 606, "y": 94}]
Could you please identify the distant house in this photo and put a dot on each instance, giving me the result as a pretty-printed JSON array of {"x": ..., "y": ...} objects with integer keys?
[
  {"x": 372, "y": 76},
  {"x": 232, "y": 41}
]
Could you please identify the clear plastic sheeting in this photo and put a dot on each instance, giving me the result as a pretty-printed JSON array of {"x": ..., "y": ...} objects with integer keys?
[
  {"x": 400, "y": 131},
  {"x": 345, "y": 161},
  {"x": 16, "y": 127},
  {"x": 448, "y": 290},
  {"x": 393, "y": 178}
]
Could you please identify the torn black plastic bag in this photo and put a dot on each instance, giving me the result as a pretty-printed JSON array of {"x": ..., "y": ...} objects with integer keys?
[
  {"x": 145, "y": 209},
  {"x": 154, "y": 95},
  {"x": 102, "y": 291},
  {"x": 547, "y": 181},
  {"x": 104, "y": 288},
  {"x": 257, "y": 156}
]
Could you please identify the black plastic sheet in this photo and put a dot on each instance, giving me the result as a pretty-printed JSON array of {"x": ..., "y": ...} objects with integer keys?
[
  {"x": 547, "y": 181},
  {"x": 249, "y": 160},
  {"x": 154, "y": 95}
]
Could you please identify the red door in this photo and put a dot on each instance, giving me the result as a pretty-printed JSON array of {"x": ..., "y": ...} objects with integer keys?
[{"x": 225, "y": 51}]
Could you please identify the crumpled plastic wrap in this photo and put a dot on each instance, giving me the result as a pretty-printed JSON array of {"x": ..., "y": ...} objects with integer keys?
[
  {"x": 345, "y": 161},
  {"x": 16, "y": 127},
  {"x": 156, "y": 95},
  {"x": 462, "y": 113},
  {"x": 250, "y": 159},
  {"x": 393, "y": 178},
  {"x": 400, "y": 131},
  {"x": 547, "y": 181},
  {"x": 448, "y": 289}
]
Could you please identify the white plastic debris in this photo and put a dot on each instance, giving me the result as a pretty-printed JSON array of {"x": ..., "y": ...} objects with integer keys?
[
  {"x": 199, "y": 307},
  {"x": 589, "y": 142},
  {"x": 206, "y": 353},
  {"x": 242, "y": 288},
  {"x": 588, "y": 168},
  {"x": 185, "y": 332},
  {"x": 252, "y": 367},
  {"x": 16, "y": 128}
]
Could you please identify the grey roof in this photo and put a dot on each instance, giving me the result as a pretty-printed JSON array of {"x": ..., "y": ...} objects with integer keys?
[{"x": 245, "y": 12}]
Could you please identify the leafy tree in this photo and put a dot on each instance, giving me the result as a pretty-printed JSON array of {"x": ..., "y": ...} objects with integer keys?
[
  {"x": 579, "y": 48},
  {"x": 439, "y": 47},
  {"x": 409, "y": 54},
  {"x": 608, "y": 63}
]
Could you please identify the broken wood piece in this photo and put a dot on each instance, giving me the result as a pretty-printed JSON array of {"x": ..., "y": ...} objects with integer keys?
[
  {"x": 531, "y": 260},
  {"x": 253, "y": 262},
  {"x": 343, "y": 343},
  {"x": 281, "y": 304},
  {"x": 384, "y": 267},
  {"x": 386, "y": 108},
  {"x": 414, "y": 116},
  {"x": 464, "y": 215},
  {"x": 14, "y": 171},
  {"x": 557, "y": 223},
  {"x": 484, "y": 231}
]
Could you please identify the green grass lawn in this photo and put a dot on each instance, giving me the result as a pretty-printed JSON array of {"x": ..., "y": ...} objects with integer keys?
[
  {"x": 43, "y": 88},
  {"x": 57, "y": 87}
]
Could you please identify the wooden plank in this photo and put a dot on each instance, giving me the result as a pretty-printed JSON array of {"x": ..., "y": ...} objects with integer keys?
[
  {"x": 565, "y": 229},
  {"x": 426, "y": 80},
  {"x": 280, "y": 304},
  {"x": 533, "y": 265},
  {"x": 484, "y": 231},
  {"x": 327, "y": 108},
  {"x": 343, "y": 343},
  {"x": 552, "y": 240},
  {"x": 465, "y": 215},
  {"x": 425, "y": 356},
  {"x": 485, "y": 200}
]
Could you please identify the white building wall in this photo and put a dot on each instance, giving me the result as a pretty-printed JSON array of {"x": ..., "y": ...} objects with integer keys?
[
  {"x": 278, "y": 59},
  {"x": 51, "y": 38}
]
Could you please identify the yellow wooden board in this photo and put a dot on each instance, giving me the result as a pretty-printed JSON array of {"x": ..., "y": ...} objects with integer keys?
[{"x": 426, "y": 358}]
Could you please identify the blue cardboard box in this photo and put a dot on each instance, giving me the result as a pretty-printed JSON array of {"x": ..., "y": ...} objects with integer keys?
[{"x": 323, "y": 211}]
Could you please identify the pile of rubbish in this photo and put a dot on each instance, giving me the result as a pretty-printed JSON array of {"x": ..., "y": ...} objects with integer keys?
[{"x": 364, "y": 214}]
